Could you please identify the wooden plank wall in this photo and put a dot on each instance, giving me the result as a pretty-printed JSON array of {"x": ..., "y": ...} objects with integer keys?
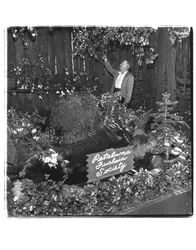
[
  {"x": 55, "y": 45},
  {"x": 50, "y": 44}
]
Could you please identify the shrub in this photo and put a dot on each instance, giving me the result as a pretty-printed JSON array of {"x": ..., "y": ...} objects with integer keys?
[{"x": 75, "y": 116}]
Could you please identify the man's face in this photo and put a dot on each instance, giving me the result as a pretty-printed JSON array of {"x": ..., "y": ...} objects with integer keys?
[{"x": 124, "y": 66}]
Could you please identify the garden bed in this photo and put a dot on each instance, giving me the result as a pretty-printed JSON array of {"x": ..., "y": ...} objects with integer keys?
[
  {"x": 158, "y": 136},
  {"x": 120, "y": 195}
]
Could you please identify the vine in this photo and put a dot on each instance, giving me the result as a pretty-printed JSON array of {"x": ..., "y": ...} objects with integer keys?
[{"x": 96, "y": 41}]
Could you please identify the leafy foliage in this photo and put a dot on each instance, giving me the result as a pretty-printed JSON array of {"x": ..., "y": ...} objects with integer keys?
[
  {"x": 36, "y": 75},
  {"x": 165, "y": 126},
  {"x": 26, "y": 133},
  {"x": 141, "y": 120},
  {"x": 20, "y": 125},
  {"x": 44, "y": 165},
  {"x": 23, "y": 125},
  {"x": 132, "y": 122},
  {"x": 108, "y": 197},
  {"x": 96, "y": 41},
  {"x": 31, "y": 73},
  {"x": 178, "y": 33},
  {"x": 184, "y": 105},
  {"x": 111, "y": 109},
  {"x": 23, "y": 33},
  {"x": 162, "y": 129},
  {"x": 165, "y": 119}
]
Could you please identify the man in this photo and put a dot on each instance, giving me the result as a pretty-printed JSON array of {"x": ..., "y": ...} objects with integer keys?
[{"x": 123, "y": 80}]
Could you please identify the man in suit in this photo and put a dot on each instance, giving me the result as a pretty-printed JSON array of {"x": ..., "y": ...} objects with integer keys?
[{"x": 123, "y": 80}]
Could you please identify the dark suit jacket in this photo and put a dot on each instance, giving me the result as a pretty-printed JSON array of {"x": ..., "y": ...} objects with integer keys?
[{"x": 127, "y": 83}]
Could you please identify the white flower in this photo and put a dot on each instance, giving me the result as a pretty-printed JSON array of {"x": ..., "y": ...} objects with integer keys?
[
  {"x": 166, "y": 144},
  {"x": 173, "y": 152},
  {"x": 128, "y": 190},
  {"x": 182, "y": 157},
  {"x": 51, "y": 165},
  {"x": 51, "y": 151},
  {"x": 46, "y": 203},
  {"x": 16, "y": 198},
  {"x": 62, "y": 93},
  {"x": 176, "y": 151},
  {"x": 53, "y": 160},
  {"x": 47, "y": 159},
  {"x": 55, "y": 197},
  {"x": 36, "y": 138},
  {"x": 177, "y": 137},
  {"x": 34, "y": 130},
  {"x": 55, "y": 155}
]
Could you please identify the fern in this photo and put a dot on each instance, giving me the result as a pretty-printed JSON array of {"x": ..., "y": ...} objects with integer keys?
[
  {"x": 165, "y": 124},
  {"x": 165, "y": 119},
  {"x": 141, "y": 121}
]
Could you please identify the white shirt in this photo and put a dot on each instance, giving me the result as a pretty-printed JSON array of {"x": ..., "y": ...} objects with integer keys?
[{"x": 119, "y": 79}]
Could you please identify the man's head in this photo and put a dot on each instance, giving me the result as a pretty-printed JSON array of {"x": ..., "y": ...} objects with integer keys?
[{"x": 124, "y": 66}]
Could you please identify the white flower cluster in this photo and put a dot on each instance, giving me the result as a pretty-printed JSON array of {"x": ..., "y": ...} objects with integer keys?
[
  {"x": 35, "y": 137},
  {"x": 176, "y": 151},
  {"x": 51, "y": 158},
  {"x": 17, "y": 190},
  {"x": 34, "y": 131},
  {"x": 167, "y": 143},
  {"x": 178, "y": 138}
]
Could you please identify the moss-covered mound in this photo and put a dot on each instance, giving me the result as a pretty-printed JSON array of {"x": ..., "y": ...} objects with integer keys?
[{"x": 75, "y": 117}]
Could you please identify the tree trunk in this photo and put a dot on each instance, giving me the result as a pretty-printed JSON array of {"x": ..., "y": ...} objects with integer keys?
[
  {"x": 171, "y": 66},
  {"x": 68, "y": 49},
  {"x": 164, "y": 79}
]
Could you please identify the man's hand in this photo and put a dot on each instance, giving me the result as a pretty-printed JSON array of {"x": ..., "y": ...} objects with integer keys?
[{"x": 105, "y": 58}]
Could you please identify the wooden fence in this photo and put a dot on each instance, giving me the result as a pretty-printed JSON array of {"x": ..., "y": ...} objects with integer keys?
[{"x": 55, "y": 44}]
